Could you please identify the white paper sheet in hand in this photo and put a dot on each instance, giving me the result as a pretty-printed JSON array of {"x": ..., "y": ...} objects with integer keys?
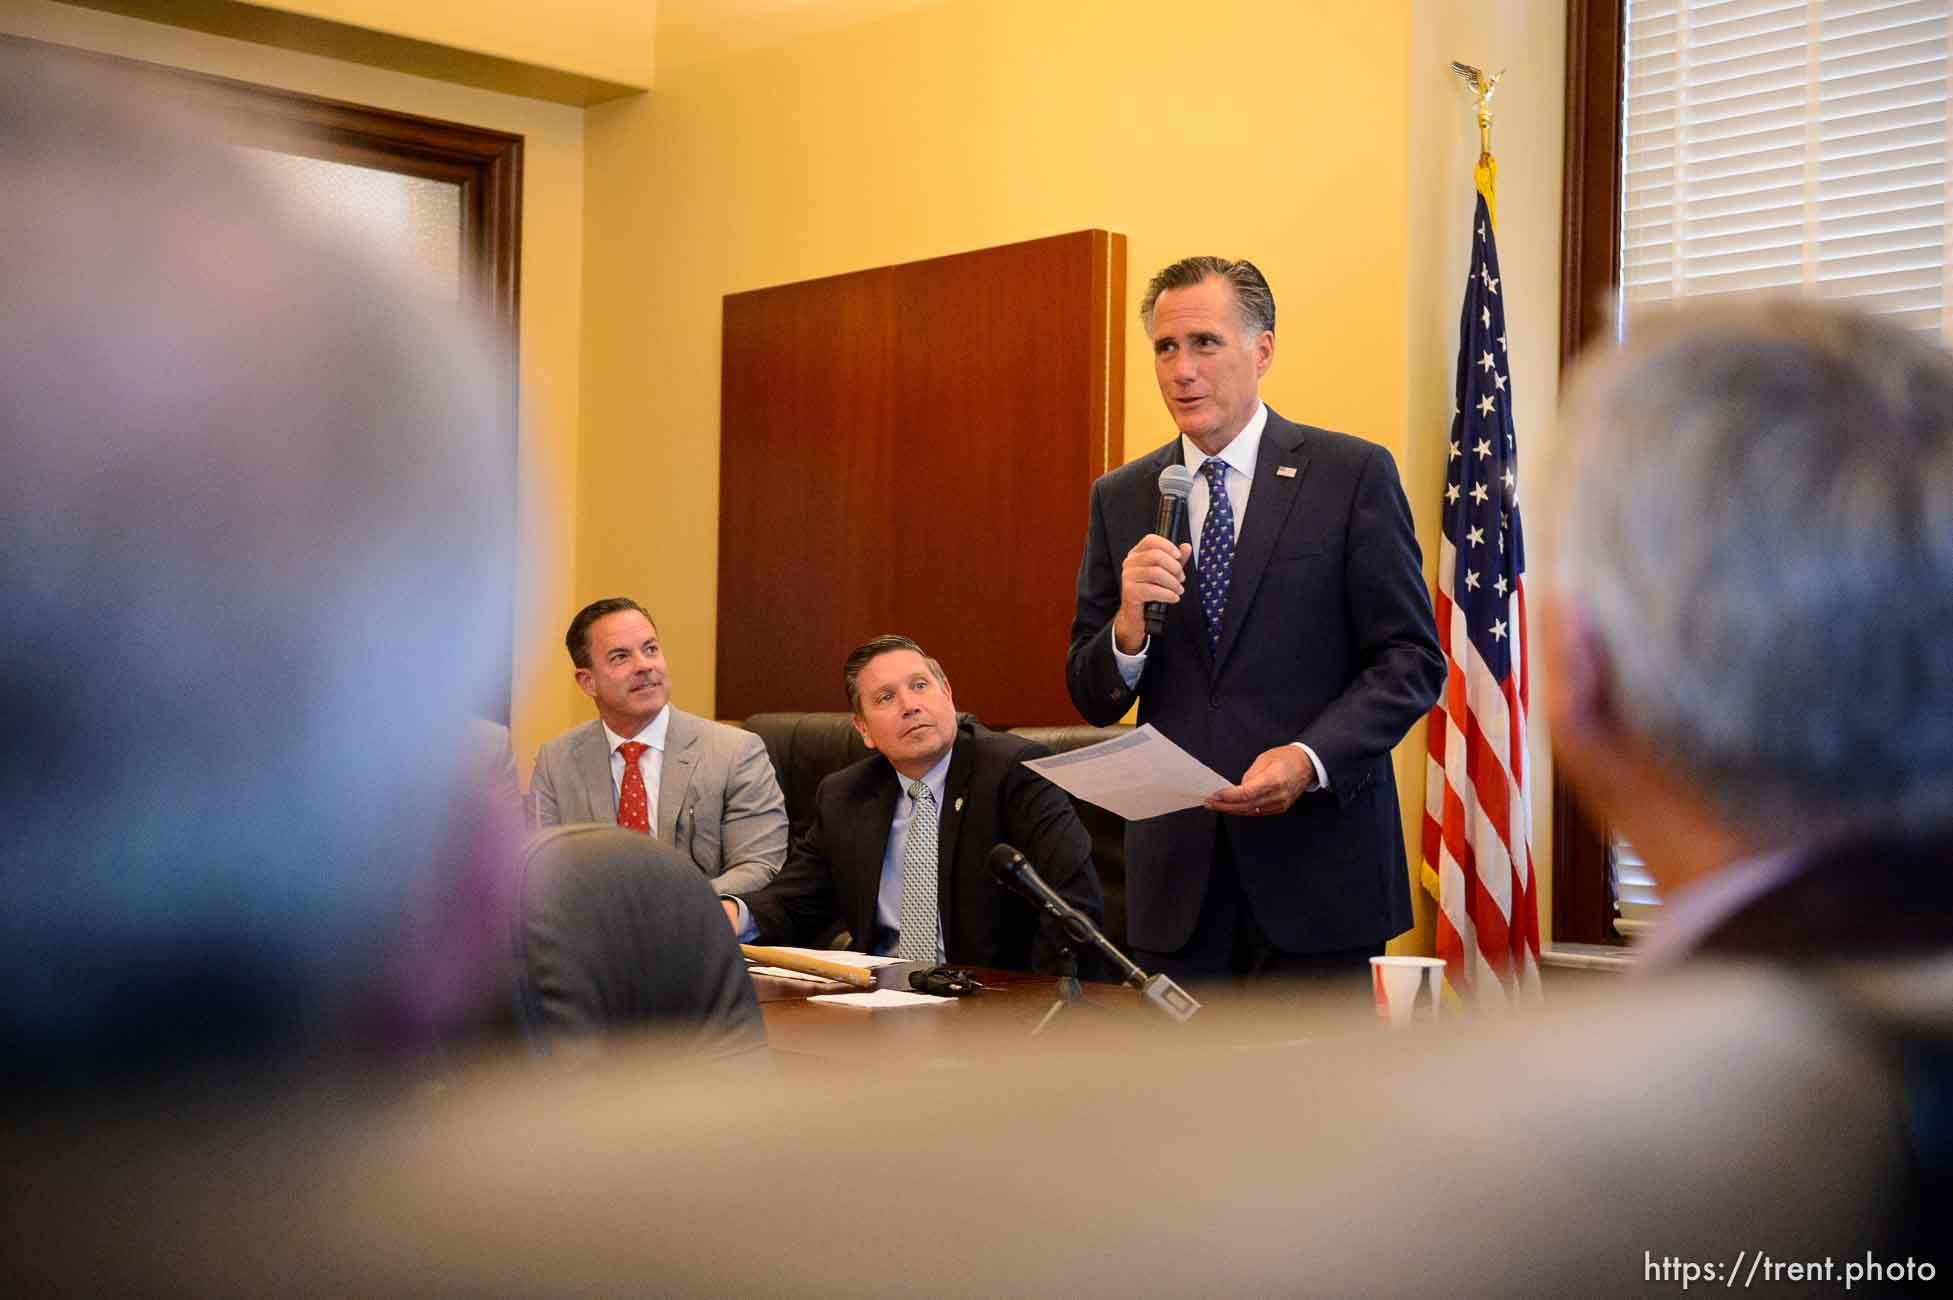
[{"x": 1137, "y": 776}]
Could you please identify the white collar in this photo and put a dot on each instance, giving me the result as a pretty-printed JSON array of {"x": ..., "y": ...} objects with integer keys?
[
  {"x": 1699, "y": 908},
  {"x": 935, "y": 778},
  {"x": 652, "y": 735},
  {"x": 1240, "y": 453}
]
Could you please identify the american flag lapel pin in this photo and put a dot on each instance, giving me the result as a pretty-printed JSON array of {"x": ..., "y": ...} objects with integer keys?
[{"x": 1285, "y": 471}]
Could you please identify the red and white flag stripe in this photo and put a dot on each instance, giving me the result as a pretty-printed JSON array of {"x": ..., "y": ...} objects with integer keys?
[{"x": 1478, "y": 810}]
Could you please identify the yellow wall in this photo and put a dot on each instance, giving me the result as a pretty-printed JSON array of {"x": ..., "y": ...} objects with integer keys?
[
  {"x": 1327, "y": 141},
  {"x": 1278, "y": 133},
  {"x": 613, "y": 40},
  {"x": 552, "y": 239},
  {"x": 798, "y": 138},
  {"x": 693, "y": 31},
  {"x": 586, "y": 51}
]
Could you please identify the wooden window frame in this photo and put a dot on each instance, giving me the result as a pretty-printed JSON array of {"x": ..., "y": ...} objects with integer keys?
[
  {"x": 1590, "y": 279},
  {"x": 486, "y": 166}
]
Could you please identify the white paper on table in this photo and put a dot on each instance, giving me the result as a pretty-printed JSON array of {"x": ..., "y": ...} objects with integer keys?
[
  {"x": 1136, "y": 776},
  {"x": 879, "y": 999}
]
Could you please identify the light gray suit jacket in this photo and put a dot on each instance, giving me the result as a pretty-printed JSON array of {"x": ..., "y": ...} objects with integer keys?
[{"x": 719, "y": 802}]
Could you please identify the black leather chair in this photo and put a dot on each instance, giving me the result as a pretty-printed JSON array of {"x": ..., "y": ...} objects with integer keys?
[
  {"x": 614, "y": 932},
  {"x": 1107, "y": 829},
  {"x": 805, "y": 747}
]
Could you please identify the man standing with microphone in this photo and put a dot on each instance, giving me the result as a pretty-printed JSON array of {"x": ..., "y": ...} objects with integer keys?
[{"x": 1295, "y": 646}]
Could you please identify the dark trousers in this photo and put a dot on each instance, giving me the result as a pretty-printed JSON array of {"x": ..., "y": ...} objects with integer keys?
[{"x": 1228, "y": 949}]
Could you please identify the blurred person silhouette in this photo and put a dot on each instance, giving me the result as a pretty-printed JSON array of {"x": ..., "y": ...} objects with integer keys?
[
  {"x": 1748, "y": 586},
  {"x": 489, "y": 753},
  {"x": 254, "y": 523},
  {"x": 617, "y": 932},
  {"x": 1748, "y": 589}
]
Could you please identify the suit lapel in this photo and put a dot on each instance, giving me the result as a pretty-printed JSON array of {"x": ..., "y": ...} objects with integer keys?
[
  {"x": 592, "y": 764},
  {"x": 1270, "y": 501},
  {"x": 949, "y": 824},
  {"x": 675, "y": 775},
  {"x": 870, "y": 832}
]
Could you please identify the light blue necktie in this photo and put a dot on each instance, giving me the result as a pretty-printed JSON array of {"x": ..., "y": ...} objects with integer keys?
[{"x": 917, "y": 942}]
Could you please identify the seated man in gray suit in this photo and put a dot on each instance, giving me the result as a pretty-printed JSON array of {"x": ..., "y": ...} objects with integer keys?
[{"x": 704, "y": 788}]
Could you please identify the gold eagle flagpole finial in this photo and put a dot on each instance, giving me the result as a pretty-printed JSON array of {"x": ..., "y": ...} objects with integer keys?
[{"x": 1483, "y": 87}]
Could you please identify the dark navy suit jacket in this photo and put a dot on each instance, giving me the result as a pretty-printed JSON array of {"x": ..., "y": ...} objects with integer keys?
[
  {"x": 1328, "y": 638},
  {"x": 989, "y": 797}
]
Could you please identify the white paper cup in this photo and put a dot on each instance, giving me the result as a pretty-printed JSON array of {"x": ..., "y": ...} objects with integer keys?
[{"x": 1407, "y": 988}]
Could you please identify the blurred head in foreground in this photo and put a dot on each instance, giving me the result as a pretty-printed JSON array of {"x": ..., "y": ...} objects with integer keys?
[
  {"x": 246, "y": 569},
  {"x": 1750, "y": 548}
]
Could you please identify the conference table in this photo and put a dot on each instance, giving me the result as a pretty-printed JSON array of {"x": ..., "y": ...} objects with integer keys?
[
  {"x": 999, "y": 1018},
  {"x": 998, "y": 1023}
]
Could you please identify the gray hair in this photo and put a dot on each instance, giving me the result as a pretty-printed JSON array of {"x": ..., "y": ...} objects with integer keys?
[
  {"x": 1752, "y": 503},
  {"x": 1254, "y": 301}
]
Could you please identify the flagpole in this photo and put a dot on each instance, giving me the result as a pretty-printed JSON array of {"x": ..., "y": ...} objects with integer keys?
[
  {"x": 1477, "y": 837},
  {"x": 1483, "y": 88}
]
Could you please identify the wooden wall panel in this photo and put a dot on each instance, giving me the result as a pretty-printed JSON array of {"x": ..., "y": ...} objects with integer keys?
[{"x": 909, "y": 449}]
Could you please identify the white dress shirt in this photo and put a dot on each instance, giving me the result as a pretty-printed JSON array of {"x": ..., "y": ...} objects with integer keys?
[
  {"x": 888, "y": 900},
  {"x": 888, "y": 896},
  {"x": 1239, "y": 456},
  {"x": 651, "y": 763}
]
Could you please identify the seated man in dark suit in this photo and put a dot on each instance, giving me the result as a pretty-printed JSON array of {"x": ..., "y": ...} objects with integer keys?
[
  {"x": 897, "y": 846},
  {"x": 617, "y": 933}
]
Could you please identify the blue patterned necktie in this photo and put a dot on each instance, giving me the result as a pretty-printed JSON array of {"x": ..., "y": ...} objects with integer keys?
[
  {"x": 1216, "y": 550},
  {"x": 917, "y": 941}
]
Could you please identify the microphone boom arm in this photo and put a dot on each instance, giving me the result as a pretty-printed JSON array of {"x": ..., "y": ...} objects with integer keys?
[{"x": 1012, "y": 869}]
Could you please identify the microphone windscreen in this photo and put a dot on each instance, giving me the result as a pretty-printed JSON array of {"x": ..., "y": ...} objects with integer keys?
[
  {"x": 1176, "y": 481},
  {"x": 1004, "y": 862}
]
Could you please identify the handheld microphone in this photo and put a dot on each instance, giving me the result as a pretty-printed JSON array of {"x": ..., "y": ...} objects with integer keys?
[
  {"x": 1176, "y": 481},
  {"x": 1010, "y": 867}
]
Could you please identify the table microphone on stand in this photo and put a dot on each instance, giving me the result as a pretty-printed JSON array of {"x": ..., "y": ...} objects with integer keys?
[{"x": 1010, "y": 867}]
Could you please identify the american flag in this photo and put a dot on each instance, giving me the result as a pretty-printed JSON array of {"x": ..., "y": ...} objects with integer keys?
[{"x": 1478, "y": 858}]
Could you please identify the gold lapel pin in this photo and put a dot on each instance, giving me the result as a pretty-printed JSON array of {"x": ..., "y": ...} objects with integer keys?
[{"x": 959, "y": 803}]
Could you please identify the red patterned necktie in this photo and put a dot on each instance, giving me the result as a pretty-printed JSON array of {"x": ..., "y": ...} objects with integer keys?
[{"x": 633, "y": 804}]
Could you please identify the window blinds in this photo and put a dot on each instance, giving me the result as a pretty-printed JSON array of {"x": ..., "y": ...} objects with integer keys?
[{"x": 1789, "y": 144}]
